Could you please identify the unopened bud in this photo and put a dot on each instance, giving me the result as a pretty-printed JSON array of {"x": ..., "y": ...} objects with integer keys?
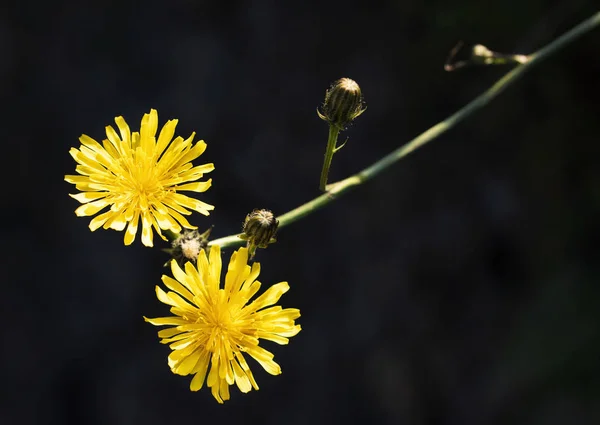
[
  {"x": 479, "y": 50},
  {"x": 482, "y": 55},
  {"x": 343, "y": 103},
  {"x": 259, "y": 230}
]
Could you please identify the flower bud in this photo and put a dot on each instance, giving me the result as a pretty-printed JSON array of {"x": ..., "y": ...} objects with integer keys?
[
  {"x": 482, "y": 51},
  {"x": 482, "y": 55},
  {"x": 187, "y": 246},
  {"x": 343, "y": 103},
  {"x": 259, "y": 230}
]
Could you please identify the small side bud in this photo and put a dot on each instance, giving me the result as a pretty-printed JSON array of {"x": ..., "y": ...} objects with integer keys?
[
  {"x": 259, "y": 230},
  {"x": 482, "y": 51},
  {"x": 343, "y": 103},
  {"x": 187, "y": 246},
  {"x": 481, "y": 54}
]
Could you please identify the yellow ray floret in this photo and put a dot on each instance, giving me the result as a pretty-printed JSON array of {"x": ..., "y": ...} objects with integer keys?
[
  {"x": 139, "y": 179},
  {"x": 213, "y": 326}
]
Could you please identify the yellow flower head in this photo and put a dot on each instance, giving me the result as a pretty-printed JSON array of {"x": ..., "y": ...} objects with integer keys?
[
  {"x": 139, "y": 177},
  {"x": 214, "y": 325}
]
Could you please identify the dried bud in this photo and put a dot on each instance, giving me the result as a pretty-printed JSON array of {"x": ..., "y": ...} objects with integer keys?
[
  {"x": 479, "y": 50},
  {"x": 259, "y": 230},
  {"x": 343, "y": 103},
  {"x": 482, "y": 55},
  {"x": 187, "y": 246}
]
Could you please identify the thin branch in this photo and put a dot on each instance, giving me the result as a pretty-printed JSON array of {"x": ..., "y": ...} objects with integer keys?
[{"x": 337, "y": 189}]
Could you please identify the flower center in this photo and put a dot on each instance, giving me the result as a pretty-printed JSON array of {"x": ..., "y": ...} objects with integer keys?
[
  {"x": 220, "y": 324},
  {"x": 146, "y": 186}
]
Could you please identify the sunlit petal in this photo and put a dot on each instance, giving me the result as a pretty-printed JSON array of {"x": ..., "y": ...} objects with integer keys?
[
  {"x": 140, "y": 178},
  {"x": 213, "y": 327}
]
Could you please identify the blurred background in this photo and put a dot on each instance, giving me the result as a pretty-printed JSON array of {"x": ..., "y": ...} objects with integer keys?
[{"x": 458, "y": 287}]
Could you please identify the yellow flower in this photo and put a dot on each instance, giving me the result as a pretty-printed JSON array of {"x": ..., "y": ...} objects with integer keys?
[
  {"x": 214, "y": 325},
  {"x": 139, "y": 177}
]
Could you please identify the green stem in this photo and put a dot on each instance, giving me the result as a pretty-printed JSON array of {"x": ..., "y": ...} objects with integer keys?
[
  {"x": 343, "y": 186},
  {"x": 170, "y": 235},
  {"x": 334, "y": 131}
]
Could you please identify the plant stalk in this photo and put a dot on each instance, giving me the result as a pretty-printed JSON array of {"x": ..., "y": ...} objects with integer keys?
[
  {"x": 337, "y": 189},
  {"x": 334, "y": 131}
]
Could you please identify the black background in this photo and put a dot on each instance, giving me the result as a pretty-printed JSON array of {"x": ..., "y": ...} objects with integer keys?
[{"x": 459, "y": 287}]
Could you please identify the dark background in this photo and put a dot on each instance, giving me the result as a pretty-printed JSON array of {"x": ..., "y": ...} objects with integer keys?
[{"x": 459, "y": 287}]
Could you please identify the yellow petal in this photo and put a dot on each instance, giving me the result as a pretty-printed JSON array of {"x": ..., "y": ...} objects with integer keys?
[
  {"x": 192, "y": 281},
  {"x": 161, "y": 321},
  {"x": 188, "y": 364},
  {"x": 176, "y": 336},
  {"x": 213, "y": 374},
  {"x": 181, "y": 219},
  {"x": 224, "y": 390},
  {"x": 89, "y": 142},
  {"x": 132, "y": 229},
  {"x": 237, "y": 270},
  {"x": 174, "y": 154},
  {"x": 199, "y": 169},
  {"x": 117, "y": 221},
  {"x": 273, "y": 337},
  {"x": 99, "y": 220},
  {"x": 237, "y": 278},
  {"x": 200, "y": 372},
  {"x": 240, "y": 357},
  {"x": 265, "y": 359},
  {"x": 184, "y": 348},
  {"x": 76, "y": 179},
  {"x": 167, "y": 201},
  {"x": 202, "y": 267},
  {"x": 168, "y": 333},
  {"x": 165, "y": 136},
  {"x": 247, "y": 292},
  {"x": 166, "y": 221},
  {"x": 196, "y": 187},
  {"x": 270, "y": 296},
  {"x": 114, "y": 139},
  {"x": 193, "y": 153},
  {"x": 194, "y": 204},
  {"x": 214, "y": 390},
  {"x": 170, "y": 155},
  {"x": 215, "y": 265},
  {"x": 148, "y": 131},
  {"x": 110, "y": 149},
  {"x": 223, "y": 363},
  {"x": 146, "y": 231},
  {"x": 91, "y": 159},
  {"x": 173, "y": 299},
  {"x": 173, "y": 285},
  {"x": 86, "y": 170},
  {"x": 94, "y": 148},
  {"x": 124, "y": 130},
  {"x": 84, "y": 197},
  {"x": 241, "y": 379},
  {"x": 248, "y": 280},
  {"x": 135, "y": 140},
  {"x": 178, "y": 273}
]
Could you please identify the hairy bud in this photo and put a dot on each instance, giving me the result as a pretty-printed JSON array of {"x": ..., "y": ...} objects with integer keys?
[
  {"x": 343, "y": 103},
  {"x": 259, "y": 230}
]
